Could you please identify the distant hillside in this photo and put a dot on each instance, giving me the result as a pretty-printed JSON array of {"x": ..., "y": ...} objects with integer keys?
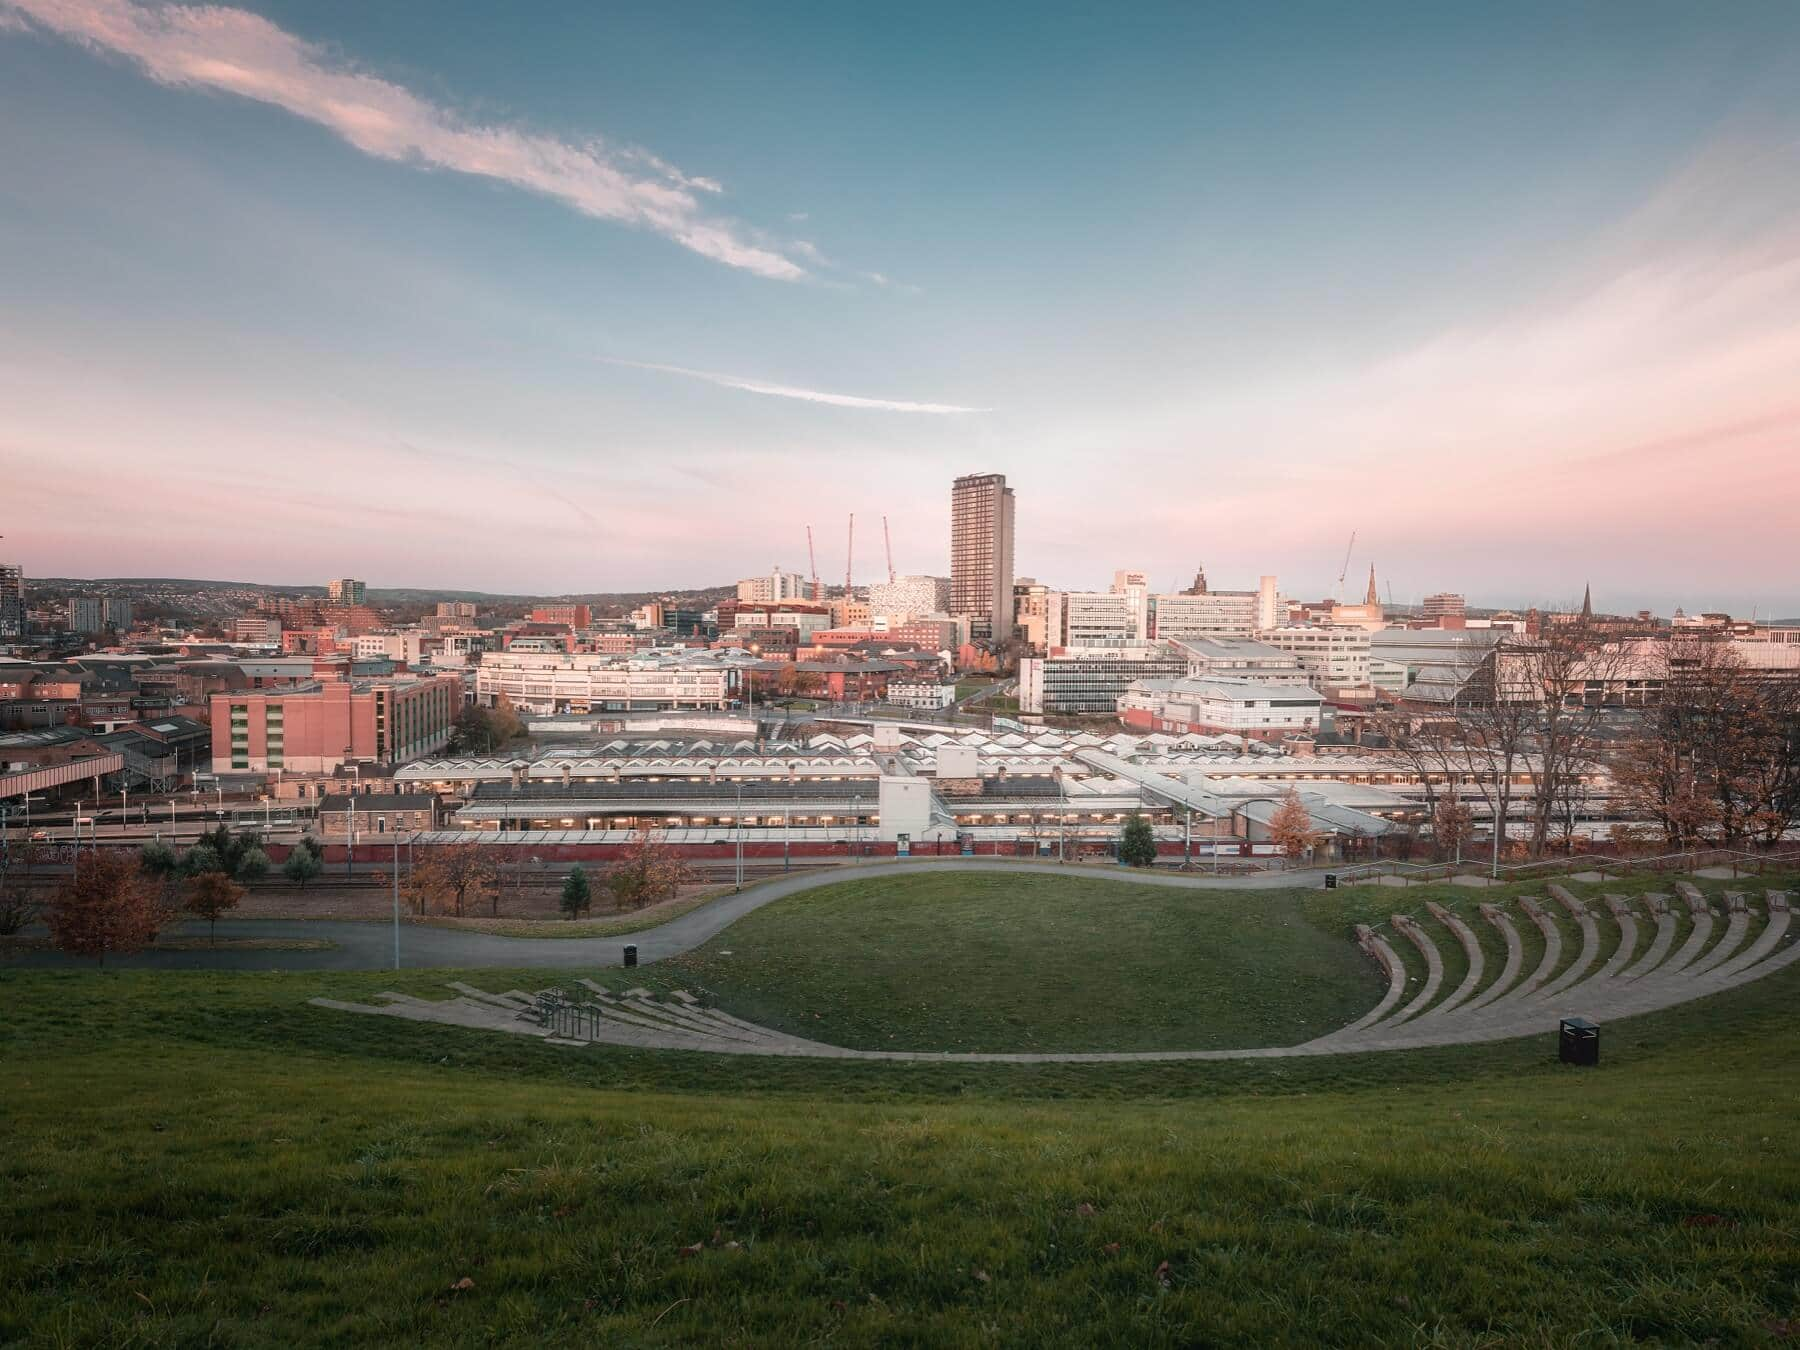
[{"x": 162, "y": 587}]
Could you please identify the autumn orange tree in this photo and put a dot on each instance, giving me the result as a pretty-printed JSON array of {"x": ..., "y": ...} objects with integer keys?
[
  {"x": 210, "y": 894},
  {"x": 1292, "y": 827},
  {"x": 108, "y": 905},
  {"x": 453, "y": 876},
  {"x": 1452, "y": 826},
  {"x": 647, "y": 873}
]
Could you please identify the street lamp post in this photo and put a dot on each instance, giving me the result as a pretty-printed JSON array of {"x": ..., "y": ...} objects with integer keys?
[
  {"x": 738, "y": 820},
  {"x": 397, "y": 895}
]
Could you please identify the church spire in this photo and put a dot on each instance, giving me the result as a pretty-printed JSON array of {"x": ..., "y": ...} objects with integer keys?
[
  {"x": 1372, "y": 598},
  {"x": 1587, "y": 601}
]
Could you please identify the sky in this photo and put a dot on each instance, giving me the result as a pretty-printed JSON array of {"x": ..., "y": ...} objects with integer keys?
[{"x": 625, "y": 296}]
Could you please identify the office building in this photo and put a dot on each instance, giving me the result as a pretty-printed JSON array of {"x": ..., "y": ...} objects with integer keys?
[
  {"x": 1240, "y": 659},
  {"x": 553, "y": 682},
  {"x": 99, "y": 613},
  {"x": 1220, "y": 705},
  {"x": 776, "y": 585},
  {"x": 1219, "y": 614},
  {"x": 345, "y": 591},
  {"x": 1335, "y": 659},
  {"x": 1445, "y": 604},
  {"x": 12, "y": 600},
  {"x": 1109, "y": 619},
  {"x": 314, "y": 728},
  {"x": 981, "y": 553},
  {"x": 1091, "y": 681},
  {"x": 908, "y": 597},
  {"x": 456, "y": 609}
]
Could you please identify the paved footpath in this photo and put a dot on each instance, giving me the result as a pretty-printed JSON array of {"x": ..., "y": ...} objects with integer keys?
[{"x": 370, "y": 946}]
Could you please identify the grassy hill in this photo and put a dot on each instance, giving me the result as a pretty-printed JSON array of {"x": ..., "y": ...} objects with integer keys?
[{"x": 193, "y": 1157}]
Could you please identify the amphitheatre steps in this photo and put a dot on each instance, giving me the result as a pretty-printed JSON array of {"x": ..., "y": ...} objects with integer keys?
[{"x": 1621, "y": 968}]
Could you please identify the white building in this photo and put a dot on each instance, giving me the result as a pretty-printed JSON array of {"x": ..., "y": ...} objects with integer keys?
[
  {"x": 554, "y": 682},
  {"x": 1090, "y": 680},
  {"x": 1334, "y": 658},
  {"x": 776, "y": 586},
  {"x": 910, "y": 596},
  {"x": 1098, "y": 619},
  {"x": 924, "y": 694},
  {"x": 1240, "y": 659},
  {"x": 1221, "y": 706},
  {"x": 1224, "y": 614},
  {"x": 402, "y": 646}
]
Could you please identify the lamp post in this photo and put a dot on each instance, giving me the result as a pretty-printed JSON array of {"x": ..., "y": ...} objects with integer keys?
[
  {"x": 856, "y": 823},
  {"x": 738, "y": 820},
  {"x": 397, "y": 895},
  {"x": 1062, "y": 817}
]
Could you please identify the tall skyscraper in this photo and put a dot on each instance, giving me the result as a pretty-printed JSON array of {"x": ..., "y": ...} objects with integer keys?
[
  {"x": 345, "y": 591},
  {"x": 12, "y": 600},
  {"x": 981, "y": 552}
]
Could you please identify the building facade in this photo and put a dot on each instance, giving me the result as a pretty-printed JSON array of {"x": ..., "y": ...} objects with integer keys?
[
  {"x": 1221, "y": 706},
  {"x": 910, "y": 596},
  {"x": 550, "y": 682},
  {"x": 1445, "y": 604},
  {"x": 981, "y": 552},
  {"x": 12, "y": 600},
  {"x": 346, "y": 591},
  {"x": 777, "y": 585},
  {"x": 1222, "y": 614},
  {"x": 1333, "y": 658},
  {"x": 1091, "y": 681},
  {"x": 316, "y": 728}
]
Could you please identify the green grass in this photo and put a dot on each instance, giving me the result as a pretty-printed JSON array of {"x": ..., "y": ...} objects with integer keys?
[
  {"x": 205, "y": 1158},
  {"x": 1022, "y": 962},
  {"x": 202, "y": 1158},
  {"x": 612, "y": 926}
]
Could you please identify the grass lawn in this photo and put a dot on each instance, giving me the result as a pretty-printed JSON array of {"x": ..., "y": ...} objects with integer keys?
[
  {"x": 202, "y": 1158},
  {"x": 1020, "y": 962},
  {"x": 206, "y": 1158}
]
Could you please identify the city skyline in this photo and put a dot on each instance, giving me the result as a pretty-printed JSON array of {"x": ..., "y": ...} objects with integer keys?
[{"x": 452, "y": 305}]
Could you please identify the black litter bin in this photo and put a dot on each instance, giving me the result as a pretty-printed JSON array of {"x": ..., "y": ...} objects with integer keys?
[
  {"x": 631, "y": 953},
  {"x": 1579, "y": 1041},
  {"x": 1331, "y": 881}
]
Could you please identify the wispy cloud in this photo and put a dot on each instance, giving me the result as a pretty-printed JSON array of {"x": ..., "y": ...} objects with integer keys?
[
  {"x": 234, "y": 51},
  {"x": 789, "y": 391}
]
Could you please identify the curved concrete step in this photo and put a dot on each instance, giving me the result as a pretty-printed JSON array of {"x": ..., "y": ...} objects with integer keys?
[
  {"x": 1626, "y": 922},
  {"x": 1509, "y": 970},
  {"x": 1472, "y": 953},
  {"x": 1766, "y": 941},
  {"x": 1690, "y": 949},
  {"x": 1407, "y": 927},
  {"x": 1376, "y": 948},
  {"x": 1552, "y": 945},
  {"x": 1590, "y": 945},
  {"x": 1659, "y": 944},
  {"x": 1737, "y": 928}
]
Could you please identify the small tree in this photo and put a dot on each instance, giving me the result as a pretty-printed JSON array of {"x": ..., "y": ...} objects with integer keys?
[
  {"x": 253, "y": 865},
  {"x": 201, "y": 858},
  {"x": 648, "y": 872},
  {"x": 107, "y": 906},
  {"x": 159, "y": 859},
  {"x": 577, "y": 895},
  {"x": 209, "y": 895},
  {"x": 302, "y": 865},
  {"x": 1137, "y": 842},
  {"x": 1292, "y": 828},
  {"x": 1452, "y": 824},
  {"x": 18, "y": 904}
]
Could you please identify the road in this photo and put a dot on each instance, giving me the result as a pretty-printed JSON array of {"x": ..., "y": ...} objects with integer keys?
[{"x": 370, "y": 946}]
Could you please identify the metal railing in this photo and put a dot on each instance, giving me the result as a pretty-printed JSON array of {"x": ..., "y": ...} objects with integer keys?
[{"x": 1751, "y": 863}]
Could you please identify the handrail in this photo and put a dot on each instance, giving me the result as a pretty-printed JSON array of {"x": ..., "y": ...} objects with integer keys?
[{"x": 1688, "y": 861}]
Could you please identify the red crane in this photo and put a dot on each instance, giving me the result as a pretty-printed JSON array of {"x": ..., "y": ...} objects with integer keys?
[{"x": 812, "y": 563}]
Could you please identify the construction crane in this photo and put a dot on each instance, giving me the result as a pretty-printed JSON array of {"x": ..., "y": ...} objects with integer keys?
[
  {"x": 812, "y": 563},
  {"x": 888, "y": 543},
  {"x": 1344, "y": 571},
  {"x": 849, "y": 554}
]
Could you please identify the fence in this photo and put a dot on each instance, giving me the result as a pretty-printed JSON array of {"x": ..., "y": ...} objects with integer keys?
[{"x": 1751, "y": 863}]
